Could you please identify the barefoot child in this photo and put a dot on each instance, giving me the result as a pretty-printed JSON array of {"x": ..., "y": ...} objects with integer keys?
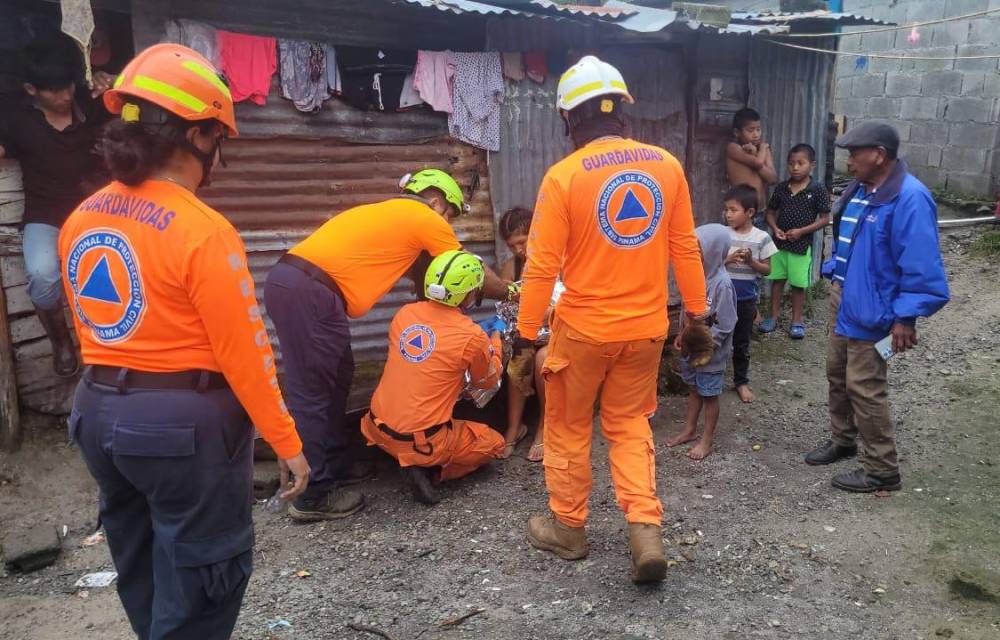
[
  {"x": 749, "y": 258},
  {"x": 798, "y": 207},
  {"x": 514, "y": 226},
  {"x": 705, "y": 382},
  {"x": 748, "y": 157}
]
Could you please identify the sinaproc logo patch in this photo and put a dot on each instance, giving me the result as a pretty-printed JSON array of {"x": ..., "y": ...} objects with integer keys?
[
  {"x": 103, "y": 272},
  {"x": 416, "y": 343},
  {"x": 629, "y": 209}
]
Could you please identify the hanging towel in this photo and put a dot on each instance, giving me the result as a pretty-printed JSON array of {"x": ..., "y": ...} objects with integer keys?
[
  {"x": 78, "y": 24},
  {"x": 478, "y": 94},
  {"x": 433, "y": 78},
  {"x": 333, "y": 82},
  {"x": 536, "y": 66},
  {"x": 409, "y": 97},
  {"x": 195, "y": 35},
  {"x": 513, "y": 66},
  {"x": 303, "y": 74},
  {"x": 249, "y": 62}
]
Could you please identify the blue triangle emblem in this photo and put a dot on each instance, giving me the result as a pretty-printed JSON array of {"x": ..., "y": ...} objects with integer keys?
[
  {"x": 417, "y": 342},
  {"x": 99, "y": 285},
  {"x": 631, "y": 209}
]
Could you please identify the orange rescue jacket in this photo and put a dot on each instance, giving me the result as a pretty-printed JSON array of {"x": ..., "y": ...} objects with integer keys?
[
  {"x": 431, "y": 346},
  {"x": 612, "y": 217},
  {"x": 158, "y": 282}
]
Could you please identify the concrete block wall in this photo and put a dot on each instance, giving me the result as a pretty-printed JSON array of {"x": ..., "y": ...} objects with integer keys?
[{"x": 947, "y": 111}]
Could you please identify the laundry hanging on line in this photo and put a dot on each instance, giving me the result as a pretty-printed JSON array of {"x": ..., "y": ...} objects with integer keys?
[
  {"x": 195, "y": 35},
  {"x": 304, "y": 78},
  {"x": 249, "y": 63},
  {"x": 433, "y": 77},
  {"x": 478, "y": 92}
]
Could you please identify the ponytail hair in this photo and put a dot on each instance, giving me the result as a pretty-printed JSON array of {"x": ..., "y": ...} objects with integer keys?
[
  {"x": 134, "y": 151},
  {"x": 515, "y": 220}
]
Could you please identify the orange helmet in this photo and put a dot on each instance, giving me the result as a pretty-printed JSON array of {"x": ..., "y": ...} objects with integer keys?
[{"x": 178, "y": 80}]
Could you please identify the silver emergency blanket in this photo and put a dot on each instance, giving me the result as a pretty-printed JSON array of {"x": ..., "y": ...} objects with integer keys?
[{"x": 507, "y": 313}]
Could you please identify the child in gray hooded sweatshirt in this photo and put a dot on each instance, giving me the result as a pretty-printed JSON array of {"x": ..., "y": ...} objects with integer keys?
[{"x": 705, "y": 382}]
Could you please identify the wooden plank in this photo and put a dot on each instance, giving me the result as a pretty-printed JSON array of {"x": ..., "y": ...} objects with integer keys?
[
  {"x": 11, "y": 196},
  {"x": 10, "y": 240},
  {"x": 12, "y": 271},
  {"x": 38, "y": 387},
  {"x": 25, "y": 329},
  {"x": 10, "y": 419},
  {"x": 18, "y": 301},
  {"x": 11, "y": 212},
  {"x": 10, "y": 176}
]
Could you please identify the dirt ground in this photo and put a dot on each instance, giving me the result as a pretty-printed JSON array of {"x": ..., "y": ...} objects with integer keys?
[{"x": 764, "y": 547}]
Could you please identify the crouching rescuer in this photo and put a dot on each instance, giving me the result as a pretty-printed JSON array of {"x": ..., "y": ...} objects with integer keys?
[
  {"x": 612, "y": 216},
  {"x": 432, "y": 344}
]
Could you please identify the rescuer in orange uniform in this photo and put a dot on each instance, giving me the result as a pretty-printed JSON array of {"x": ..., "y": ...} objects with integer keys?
[
  {"x": 432, "y": 345},
  {"x": 339, "y": 272},
  {"x": 611, "y": 217},
  {"x": 176, "y": 355}
]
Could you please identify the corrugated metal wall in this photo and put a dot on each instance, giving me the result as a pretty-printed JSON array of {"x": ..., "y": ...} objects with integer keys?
[
  {"x": 719, "y": 89},
  {"x": 289, "y": 172},
  {"x": 531, "y": 140},
  {"x": 381, "y": 23},
  {"x": 532, "y": 136},
  {"x": 791, "y": 90}
]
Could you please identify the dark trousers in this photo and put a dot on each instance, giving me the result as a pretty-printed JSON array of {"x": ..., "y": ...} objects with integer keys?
[
  {"x": 746, "y": 311},
  {"x": 175, "y": 473},
  {"x": 315, "y": 340}
]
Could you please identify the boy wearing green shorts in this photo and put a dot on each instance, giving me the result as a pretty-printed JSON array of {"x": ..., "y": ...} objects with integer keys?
[{"x": 797, "y": 208}]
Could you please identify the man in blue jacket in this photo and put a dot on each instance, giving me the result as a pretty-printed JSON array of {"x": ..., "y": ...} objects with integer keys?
[{"x": 887, "y": 272}]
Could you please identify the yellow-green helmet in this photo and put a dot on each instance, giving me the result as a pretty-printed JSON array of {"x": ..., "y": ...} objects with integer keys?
[
  {"x": 437, "y": 179},
  {"x": 452, "y": 276}
]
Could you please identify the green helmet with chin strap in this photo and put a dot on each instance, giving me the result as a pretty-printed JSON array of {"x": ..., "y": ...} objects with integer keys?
[
  {"x": 435, "y": 178},
  {"x": 452, "y": 276}
]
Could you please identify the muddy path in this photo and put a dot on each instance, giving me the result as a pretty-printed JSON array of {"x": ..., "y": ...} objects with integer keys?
[{"x": 762, "y": 546}]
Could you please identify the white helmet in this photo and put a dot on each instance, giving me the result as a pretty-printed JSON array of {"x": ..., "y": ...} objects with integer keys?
[{"x": 589, "y": 78}]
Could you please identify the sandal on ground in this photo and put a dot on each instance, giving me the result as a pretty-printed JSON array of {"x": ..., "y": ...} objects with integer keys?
[
  {"x": 508, "y": 450},
  {"x": 797, "y": 331},
  {"x": 768, "y": 325},
  {"x": 536, "y": 452}
]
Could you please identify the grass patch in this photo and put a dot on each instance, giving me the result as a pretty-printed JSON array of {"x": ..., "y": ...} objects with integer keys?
[{"x": 987, "y": 245}]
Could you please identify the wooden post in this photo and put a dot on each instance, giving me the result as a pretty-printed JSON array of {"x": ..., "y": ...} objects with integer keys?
[
  {"x": 11, "y": 211},
  {"x": 10, "y": 419}
]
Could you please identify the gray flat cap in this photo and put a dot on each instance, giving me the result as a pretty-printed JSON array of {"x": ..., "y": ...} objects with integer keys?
[{"x": 870, "y": 134}]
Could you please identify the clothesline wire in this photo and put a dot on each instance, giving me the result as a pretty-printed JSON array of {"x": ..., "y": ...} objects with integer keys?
[
  {"x": 899, "y": 27},
  {"x": 884, "y": 56}
]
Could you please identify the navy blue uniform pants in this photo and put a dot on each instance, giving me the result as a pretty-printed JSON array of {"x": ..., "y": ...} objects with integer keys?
[
  {"x": 175, "y": 473},
  {"x": 315, "y": 340}
]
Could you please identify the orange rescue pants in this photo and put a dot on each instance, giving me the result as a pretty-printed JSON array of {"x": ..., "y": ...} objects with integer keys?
[
  {"x": 458, "y": 450},
  {"x": 624, "y": 373}
]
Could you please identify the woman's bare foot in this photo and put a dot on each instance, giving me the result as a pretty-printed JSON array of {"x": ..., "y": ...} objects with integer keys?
[
  {"x": 745, "y": 394},
  {"x": 700, "y": 451},
  {"x": 536, "y": 452},
  {"x": 508, "y": 450},
  {"x": 684, "y": 436}
]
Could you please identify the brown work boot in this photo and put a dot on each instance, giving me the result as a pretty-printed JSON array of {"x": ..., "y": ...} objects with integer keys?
[
  {"x": 338, "y": 503},
  {"x": 547, "y": 533},
  {"x": 645, "y": 543}
]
